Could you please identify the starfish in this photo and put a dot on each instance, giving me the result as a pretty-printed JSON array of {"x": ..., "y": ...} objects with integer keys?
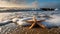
[{"x": 34, "y": 22}]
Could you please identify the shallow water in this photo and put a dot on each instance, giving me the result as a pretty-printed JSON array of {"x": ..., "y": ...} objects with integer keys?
[{"x": 54, "y": 21}]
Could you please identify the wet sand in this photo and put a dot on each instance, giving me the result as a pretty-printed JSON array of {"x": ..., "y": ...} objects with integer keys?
[{"x": 35, "y": 30}]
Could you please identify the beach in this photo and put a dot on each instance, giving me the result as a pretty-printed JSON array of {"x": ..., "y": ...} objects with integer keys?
[
  {"x": 26, "y": 30},
  {"x": 12, "y": 28}
]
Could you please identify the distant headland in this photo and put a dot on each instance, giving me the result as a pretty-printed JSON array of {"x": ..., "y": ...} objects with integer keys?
[{"x": 5, "y": 9}]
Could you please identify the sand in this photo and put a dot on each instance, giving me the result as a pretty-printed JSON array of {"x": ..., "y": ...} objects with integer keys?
[{"x": 35, "y": 30}]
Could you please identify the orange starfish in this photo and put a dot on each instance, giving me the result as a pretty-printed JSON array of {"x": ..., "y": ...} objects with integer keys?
[{"x": 34, "y": 22}]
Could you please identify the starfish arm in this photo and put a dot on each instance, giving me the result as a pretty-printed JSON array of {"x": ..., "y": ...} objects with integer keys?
[
  {"x": 32, "y": 25},
  {"x": 40, "y": 21},
  {"x": 29, "y": 21},
  {"x": 41, "y": 25}
]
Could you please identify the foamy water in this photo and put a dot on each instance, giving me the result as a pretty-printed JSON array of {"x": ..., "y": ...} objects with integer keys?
[
  {"x": 54, "y": 21},
  {"x": 10, "y": 15}
]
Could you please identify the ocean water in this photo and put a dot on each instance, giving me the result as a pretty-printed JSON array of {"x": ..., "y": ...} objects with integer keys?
[{"x": 54, "y": 21}]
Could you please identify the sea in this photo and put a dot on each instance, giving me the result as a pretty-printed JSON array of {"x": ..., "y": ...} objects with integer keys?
[{"x": 54, "y": 21}]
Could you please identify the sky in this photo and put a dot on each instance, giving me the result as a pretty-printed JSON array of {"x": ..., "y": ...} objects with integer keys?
[{"x": 30, "y": 3}]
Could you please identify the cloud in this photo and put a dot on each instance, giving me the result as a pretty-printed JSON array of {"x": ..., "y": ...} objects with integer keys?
[
  {"x": 35, "y": 4},
  {"x": 13, "y": 3},
  {"x": 26, "y": 3},
  {"x": 46, "y": 4}
]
